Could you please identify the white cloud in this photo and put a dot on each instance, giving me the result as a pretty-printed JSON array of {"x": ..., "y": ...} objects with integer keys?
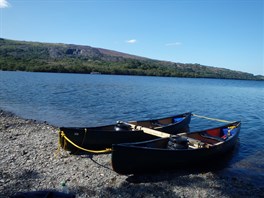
[
  {"x": 131, "y": 41},
  {"x": 4, "y": 4},
  {"x": 173, "y": 44}
]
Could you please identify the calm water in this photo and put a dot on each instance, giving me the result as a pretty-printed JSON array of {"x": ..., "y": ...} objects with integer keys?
[{"x": 92, "y": 100}]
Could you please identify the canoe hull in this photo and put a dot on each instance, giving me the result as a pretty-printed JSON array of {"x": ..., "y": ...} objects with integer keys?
[
  {"x": 99, "y": 140},
  {"x": 136, "y": 159},
  {"x": 102, "y": 137}
]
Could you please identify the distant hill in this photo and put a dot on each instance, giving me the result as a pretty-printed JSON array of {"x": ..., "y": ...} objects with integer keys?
[{"x": 69, "y": 58}]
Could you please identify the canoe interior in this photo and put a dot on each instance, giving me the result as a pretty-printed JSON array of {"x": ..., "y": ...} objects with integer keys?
[
  {"x": 158, "y": 124},
  {"x": 208, "y": 137},
  {"x": 154, "y": 123}
]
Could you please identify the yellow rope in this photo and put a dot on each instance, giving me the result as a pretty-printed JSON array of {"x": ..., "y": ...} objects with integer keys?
[
  {"x": 81, "y": 148},
  {"x": 215, "y": 119},
  {"x": 60, "y": 145}
]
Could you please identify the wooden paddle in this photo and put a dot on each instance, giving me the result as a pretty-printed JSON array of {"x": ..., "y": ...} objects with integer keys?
[{"x": 150, "y": 131}]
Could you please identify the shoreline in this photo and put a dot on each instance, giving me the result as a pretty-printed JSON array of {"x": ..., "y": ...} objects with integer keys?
[{"x": 28, "y": 163}]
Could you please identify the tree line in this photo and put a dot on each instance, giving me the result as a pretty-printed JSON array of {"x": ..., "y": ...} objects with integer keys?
[{"x": 42, "y": 57}]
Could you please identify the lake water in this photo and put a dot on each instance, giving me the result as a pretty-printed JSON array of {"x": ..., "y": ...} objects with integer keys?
[{"x": 93, "y": 100}]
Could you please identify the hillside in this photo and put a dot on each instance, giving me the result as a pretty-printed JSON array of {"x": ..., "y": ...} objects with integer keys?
[{"x": 69, "y": 58}]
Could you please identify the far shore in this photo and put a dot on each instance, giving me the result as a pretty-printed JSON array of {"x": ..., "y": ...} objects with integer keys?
[{"x": 30, "y": 161}]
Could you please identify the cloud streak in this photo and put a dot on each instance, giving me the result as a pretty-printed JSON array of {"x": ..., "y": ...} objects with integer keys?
[
  {"x": 173, "y": 44},
  {"x": 4, "y": 4},
  {"x": 131, "y": 41}
]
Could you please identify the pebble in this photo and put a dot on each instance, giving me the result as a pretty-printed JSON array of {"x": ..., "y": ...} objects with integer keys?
[{"x": 28, "y": 162}]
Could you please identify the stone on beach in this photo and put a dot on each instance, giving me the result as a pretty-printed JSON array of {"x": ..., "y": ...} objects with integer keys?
[{"x": 28, "y": 162}]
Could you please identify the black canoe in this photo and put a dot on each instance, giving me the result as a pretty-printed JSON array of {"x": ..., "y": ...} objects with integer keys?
[
  {"x": 179, "y": 150},
  {"x": 97, "y": 138}
]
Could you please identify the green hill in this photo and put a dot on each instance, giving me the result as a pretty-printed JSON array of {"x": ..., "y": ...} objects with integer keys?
[{"x": 69, "y": 58}]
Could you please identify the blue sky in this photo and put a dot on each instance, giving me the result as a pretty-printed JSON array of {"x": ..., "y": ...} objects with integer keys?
[{"x": 220, "y": 33}]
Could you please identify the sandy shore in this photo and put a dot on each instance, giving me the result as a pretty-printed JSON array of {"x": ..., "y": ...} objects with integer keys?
[{"x": 28, "y": 163}]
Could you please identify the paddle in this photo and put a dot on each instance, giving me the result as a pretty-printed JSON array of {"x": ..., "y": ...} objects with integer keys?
[{"x": 150, "y": 131}]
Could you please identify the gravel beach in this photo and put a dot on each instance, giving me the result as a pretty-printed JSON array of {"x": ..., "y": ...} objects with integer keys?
[{"x": 28, "y": 162}]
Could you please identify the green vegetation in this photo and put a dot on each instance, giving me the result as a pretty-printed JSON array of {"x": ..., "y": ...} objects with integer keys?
[{"x": 45, "y": 57}]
